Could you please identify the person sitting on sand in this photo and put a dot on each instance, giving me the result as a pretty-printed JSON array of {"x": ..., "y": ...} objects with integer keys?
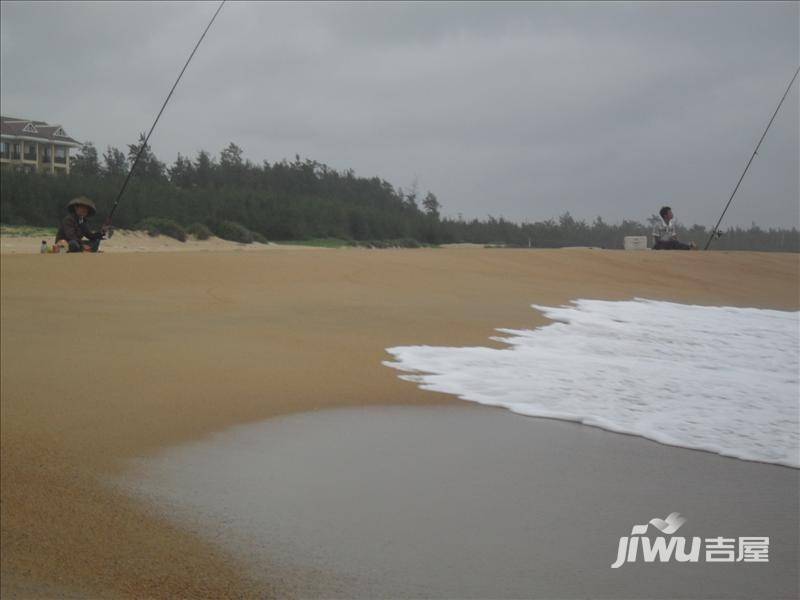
[
  {"x": 74, "y": 227},
  {"x": 664, "y": 235}
]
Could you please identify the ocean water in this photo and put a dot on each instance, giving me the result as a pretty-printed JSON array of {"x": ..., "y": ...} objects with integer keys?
[
  {"x": 461, "y": 501},
  {"x": 721, "y": 379}
]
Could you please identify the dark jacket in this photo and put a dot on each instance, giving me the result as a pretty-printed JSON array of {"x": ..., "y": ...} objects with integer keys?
[{"x": 73, "y": 228}]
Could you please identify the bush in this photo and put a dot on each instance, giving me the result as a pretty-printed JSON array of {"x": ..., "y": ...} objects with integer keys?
[
  {"x": 398, "y": 243},
  {"x": 235, "y": 232},
  {"x": 257, "y": 237},
  {"x": 156, "y": 226},
  {"x": 199, "y": 231}
]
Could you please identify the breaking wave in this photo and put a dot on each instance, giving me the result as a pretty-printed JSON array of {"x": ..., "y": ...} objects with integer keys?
[{"x": 721, "y": 379}]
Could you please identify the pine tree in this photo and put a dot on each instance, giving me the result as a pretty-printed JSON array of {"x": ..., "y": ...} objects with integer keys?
[
  {"x": 86, "y": 161},
  {"x": 431, "y": 204},
  {"x": 182, "y": 173},
  {"x": 114, "y": 162},
  {"x": 148, "y": 167}
]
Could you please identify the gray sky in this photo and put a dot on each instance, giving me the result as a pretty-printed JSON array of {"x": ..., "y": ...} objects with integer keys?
[{"x": 519, "y": 110}]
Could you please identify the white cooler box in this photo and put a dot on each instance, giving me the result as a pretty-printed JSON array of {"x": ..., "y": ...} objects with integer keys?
[{"x": 635, "y": 242}]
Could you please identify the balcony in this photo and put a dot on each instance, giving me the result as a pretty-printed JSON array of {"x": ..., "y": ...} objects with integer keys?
[
  {"x": 60, "y": 155},
  {"x": 47, "y": 159},
  {"x": 29, "y": 155}
]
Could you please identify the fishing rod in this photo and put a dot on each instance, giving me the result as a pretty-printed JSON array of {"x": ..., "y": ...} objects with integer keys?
[
  {"x": 716, "y": 227},
  {"x": 163, "y": 106}
]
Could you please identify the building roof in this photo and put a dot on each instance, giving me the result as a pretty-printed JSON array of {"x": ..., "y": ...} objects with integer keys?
[{"x": 38, "y": 131}]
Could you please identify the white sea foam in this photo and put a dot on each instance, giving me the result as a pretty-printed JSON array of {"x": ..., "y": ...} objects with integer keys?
[{"x": 721, "y": 379}]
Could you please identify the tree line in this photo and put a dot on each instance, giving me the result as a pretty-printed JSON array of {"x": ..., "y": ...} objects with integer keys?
[{"x": 304, "y": 199}]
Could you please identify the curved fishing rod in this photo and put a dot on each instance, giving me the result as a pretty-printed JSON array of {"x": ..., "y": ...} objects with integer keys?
[
  {"x": 716, "y": 227},
  {"x": 163, "y": 106}
]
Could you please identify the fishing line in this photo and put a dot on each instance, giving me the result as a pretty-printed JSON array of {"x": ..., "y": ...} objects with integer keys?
[
  {"x": 163, "y": 106},
  {"x": 716, "y": 227}
]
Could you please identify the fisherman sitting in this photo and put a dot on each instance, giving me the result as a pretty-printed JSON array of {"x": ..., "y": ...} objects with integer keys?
[
  {"x": 664, "y": 235},
  {"x": 74, "y": 228}
]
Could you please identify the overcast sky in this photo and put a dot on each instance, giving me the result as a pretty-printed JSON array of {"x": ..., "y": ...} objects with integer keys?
[{"x": 519, "y": 110}]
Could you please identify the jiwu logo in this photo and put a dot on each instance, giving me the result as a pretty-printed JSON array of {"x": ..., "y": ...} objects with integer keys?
[
  {"x": 664, "y": 549},
  {"x": 661, "y": 548}
]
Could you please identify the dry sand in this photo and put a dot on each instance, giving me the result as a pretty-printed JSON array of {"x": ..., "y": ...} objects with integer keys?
[
  {"x": 136, "y": 241},
  {"x": 113, "y": 356}
]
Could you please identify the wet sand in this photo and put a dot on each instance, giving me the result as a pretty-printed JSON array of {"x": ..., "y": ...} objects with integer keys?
[
  {"x": 111, "y": 357},
  {"x": 460, "y": 501}
]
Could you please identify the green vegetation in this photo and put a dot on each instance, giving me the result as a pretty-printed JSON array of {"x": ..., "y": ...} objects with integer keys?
[
  {"x": 235, "y": 232},
  {"x": 321, "y": 242},
  {"x": 308, "y": 202},
  {"x": 401, "y": 243},
  {"x": 257, "y": 237},
  {"x": 340, "y": 243},
  {"x": 158, "y": 226},
  {"x": 24, "y": 231},
  {"x": 199, "y": 231}
]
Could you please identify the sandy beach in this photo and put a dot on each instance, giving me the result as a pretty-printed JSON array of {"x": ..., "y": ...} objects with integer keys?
[
  {"x": 134, "y": 241},
  {"x": 113, "y": 357}
]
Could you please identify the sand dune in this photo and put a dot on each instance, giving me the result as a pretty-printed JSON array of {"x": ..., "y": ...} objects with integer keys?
[
  {"x": 113, "y": 356},
  {"x": 137, "y": 241}
]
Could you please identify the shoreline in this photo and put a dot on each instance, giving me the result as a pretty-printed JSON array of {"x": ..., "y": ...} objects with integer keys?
[
  {"x": 450, "y": 502},
  {"x": 185, "y": 344}
]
